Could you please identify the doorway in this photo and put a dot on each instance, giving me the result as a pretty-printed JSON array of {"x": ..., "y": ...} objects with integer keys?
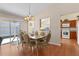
[{"x": 68, "y": 28}]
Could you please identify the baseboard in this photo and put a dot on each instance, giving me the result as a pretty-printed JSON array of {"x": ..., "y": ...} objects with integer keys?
[{"x": 55, "y": 43}]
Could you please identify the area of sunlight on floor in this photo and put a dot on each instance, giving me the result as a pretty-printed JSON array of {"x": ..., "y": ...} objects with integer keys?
[{"x": 7, "y": 40}]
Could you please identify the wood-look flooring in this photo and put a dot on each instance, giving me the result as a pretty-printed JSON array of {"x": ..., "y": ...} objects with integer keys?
[{"x": 68, "y": 47}]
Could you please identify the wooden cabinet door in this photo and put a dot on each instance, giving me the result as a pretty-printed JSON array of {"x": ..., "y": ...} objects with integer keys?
[
  {"x": 73, "y": 24},
  {"x": 73, "y": 35}
]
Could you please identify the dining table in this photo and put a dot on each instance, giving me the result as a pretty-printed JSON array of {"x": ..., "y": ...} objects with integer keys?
[{"x": 36, "y": 38}]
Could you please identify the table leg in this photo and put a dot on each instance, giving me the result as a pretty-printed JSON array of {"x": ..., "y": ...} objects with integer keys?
[{"x": 37, "y": 47}]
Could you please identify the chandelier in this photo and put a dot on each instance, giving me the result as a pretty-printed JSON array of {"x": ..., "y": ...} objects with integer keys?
[{"x": 29, "y": 17}]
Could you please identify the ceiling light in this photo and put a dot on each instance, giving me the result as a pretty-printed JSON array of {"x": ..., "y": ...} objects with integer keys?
[{"x": 29, "y": 17}]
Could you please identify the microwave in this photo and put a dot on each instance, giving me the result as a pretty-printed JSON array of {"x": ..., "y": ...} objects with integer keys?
[{"x": 65, "y": 25}]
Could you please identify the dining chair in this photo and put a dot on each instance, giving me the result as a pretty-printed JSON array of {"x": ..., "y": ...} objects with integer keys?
[
  {"x": 24, "y": 39},
  {"x": 43, "y": 42},
  {"x": 27, "y": 41}
]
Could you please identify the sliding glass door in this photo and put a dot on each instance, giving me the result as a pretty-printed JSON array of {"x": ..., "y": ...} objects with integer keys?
[
  {"x": 14, "y": 32},
  {"x": 4, "y": 32},
  {"x": 9, "y": 32}
]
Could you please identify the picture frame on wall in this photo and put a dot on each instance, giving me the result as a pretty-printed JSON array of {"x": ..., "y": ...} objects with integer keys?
[{"x": 45, "y": 22}]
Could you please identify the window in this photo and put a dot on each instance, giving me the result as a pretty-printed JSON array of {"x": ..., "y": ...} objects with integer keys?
[{"x": 8, "y": 30}]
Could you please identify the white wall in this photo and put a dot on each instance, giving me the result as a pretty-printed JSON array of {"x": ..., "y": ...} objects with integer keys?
[
  {"x": 23, "y": 26},
  {"x": 71, "y": 16},
  {"x": 78, "y": 32},
  {"x": 55, "y": 24},
  {"x": 55, "y": 11}
]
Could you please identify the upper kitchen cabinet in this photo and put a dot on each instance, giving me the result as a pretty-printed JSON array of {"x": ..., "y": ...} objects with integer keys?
[
  {"x": 72, "y": 23},
  {"x": 69, "y": 23},
  {"x": 65, "y": 24}
]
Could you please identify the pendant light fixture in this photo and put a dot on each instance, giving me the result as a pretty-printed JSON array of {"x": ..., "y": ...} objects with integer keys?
[{"x": 29, "y": 17}]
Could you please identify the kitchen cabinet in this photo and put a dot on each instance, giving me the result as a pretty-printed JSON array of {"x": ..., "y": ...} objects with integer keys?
[
  {"x": 70, "y": 28},
  {"x": 72, "y": 23},
  {"x": 73, "y": 35}
]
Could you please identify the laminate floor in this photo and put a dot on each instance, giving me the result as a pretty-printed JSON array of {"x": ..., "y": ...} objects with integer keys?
[{"x": 68, "y": 47}]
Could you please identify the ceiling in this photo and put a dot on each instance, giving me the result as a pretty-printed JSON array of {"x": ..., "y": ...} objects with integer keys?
[{"x": 21, "y": 9}]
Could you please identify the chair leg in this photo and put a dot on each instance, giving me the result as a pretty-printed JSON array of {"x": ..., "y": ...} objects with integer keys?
[{"x": 22, "y": 44}]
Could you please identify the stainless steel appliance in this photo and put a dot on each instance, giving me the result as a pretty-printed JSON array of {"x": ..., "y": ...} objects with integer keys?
[{"x": 66, "y": 33}]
